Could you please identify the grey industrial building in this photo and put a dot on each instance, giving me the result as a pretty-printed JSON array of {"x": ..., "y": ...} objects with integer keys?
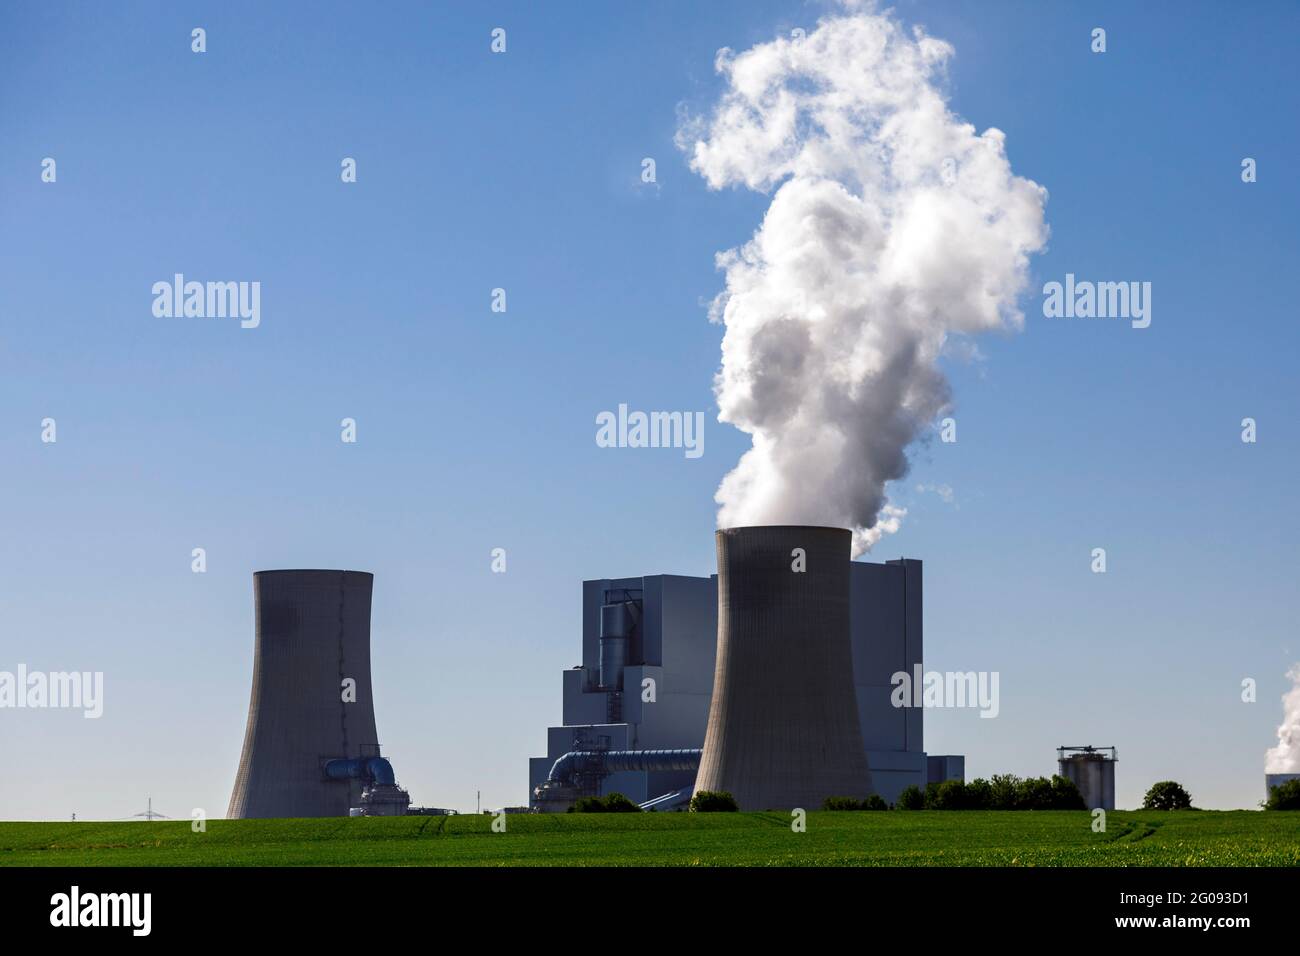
[
  {"x": 310, "y": 746},
  {"x": 635, "y": 711}
]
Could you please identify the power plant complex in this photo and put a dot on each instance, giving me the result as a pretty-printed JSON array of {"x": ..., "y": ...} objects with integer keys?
[{"x": 770, "y": 680}]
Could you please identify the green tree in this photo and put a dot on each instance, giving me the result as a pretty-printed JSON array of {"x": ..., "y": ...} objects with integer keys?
[
  {"x": 1065, "y": 795},
  {"x": 1167, "y": 795},
  {"x": 1034, "y": 793},
  {"x": 1285, "y": 796},
  {"x": 618, "y": 803},
  {"x": 979, "y": 794},
  {"x": 911, "y": 799},
  {"x": 1002, "y": 791},
  {"x": 948, "y": 795}
]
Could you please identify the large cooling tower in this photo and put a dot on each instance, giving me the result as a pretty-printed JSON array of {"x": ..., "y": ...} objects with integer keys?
[
  {"x": 313, "y": 633},
  {"x": 783, "y": 723}
]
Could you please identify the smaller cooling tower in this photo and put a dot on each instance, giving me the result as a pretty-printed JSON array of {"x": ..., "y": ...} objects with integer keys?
[
  {"x": 783, "y": 726},
  {"x": 313, "y": 633},
  {"x": 1093, "y": 771}
]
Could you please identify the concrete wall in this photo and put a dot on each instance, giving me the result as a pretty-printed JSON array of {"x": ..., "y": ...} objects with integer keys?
[{"x": 885, "y": 608}]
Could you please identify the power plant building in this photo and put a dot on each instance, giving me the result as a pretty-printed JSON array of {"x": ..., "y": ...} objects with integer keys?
[
  {"x": 644, "y": 682},
  {"x": 644, "y": 740}
]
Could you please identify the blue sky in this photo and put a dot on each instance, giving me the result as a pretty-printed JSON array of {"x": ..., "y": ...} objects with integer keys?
[{"x": 476, "y": 429}]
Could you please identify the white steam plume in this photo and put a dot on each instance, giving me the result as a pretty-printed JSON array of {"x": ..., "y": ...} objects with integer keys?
[
  {"x": 892, "y": 227},
  {"x": 1285, "y": 757}
]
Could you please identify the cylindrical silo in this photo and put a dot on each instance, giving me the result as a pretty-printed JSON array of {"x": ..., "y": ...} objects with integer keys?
[
  {"x": 783, "y": 722},
  {"x": 311, "y": 699},
  {"x": 1093, "y": 771}
]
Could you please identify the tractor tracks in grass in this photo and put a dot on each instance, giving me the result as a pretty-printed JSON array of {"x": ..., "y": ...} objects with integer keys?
[{"x": 438, "y": 831}]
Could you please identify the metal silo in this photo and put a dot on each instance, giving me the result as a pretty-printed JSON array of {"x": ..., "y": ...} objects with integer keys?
[
  {"x": 1093, "y": 771},
  {"x": 313, "y": 635},
  {"x": 783, "y": 726}
]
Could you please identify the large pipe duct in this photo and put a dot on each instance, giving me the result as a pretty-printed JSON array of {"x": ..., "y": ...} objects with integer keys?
[
  {"x": 783, "y": 722},
  {"x": 311, "y": 700},
  {"x": 605, "y": 762},
  {"x": 370, "y": 769}
]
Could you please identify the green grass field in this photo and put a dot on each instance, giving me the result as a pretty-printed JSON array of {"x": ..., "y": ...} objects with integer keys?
[{"x": 929, "y": 838}]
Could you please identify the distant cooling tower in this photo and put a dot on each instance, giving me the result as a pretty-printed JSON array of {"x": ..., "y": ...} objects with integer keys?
[
  {"x": 783, "y": 722},
  {"x": 313, "y": 633}
]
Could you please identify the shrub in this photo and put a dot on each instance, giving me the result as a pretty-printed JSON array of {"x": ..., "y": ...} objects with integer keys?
[
  {"x": 713, "y": 801},
  {"x": 841, "y": 803},
  {"x": 1035, "y": 793},
  {"x": 979, "y": 794},
  {"x": 1167, "y": 795},
  {"x": 875, "y": 802},
  {"x": 612, "y": 803},
  {"x": 1065, "y": 795},
  {"x": 617, "y": 803},
  {"x": 1285, "y": 796},
  {"x": 1003, "y": 791},
  {"x": 911, "y": 799},
  {"x": 948, "y": 795}
]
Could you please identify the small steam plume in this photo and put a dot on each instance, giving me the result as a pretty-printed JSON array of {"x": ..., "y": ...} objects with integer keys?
[
  {"x": 893, "y": 227},
  {"x": 1285, "y": 757}
]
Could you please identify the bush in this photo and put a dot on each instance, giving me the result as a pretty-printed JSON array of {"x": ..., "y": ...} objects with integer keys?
[
  {"x": 911, "y": 799},
  {"x": 1004, "y": 791},
  {"x": 617, "y": 803},
  {"x": 1035, "y": 793},
  {"x": 979, "y": 794},
  {"x": 842, "y": 803},
  {"x": 713, "y": 801},
  {"x": 1285, "y": 796},
  {"x": 613, "y": 803},
  {"x": 948, "y": 795},
  {"x": 875, "y": 802},
  {"x": 1167, "y": 795},
  {"x": 1065, "y": 795}
]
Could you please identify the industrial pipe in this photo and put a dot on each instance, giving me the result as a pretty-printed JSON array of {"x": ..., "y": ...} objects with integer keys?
[
  {"x": 612, "y": 761},
  {"x": 375, "y": 769}
]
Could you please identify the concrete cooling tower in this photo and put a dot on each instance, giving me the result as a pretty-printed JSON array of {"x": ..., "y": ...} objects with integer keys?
[
  {"x": 783, "y": 727},
  {"x": 309, "y": 751}
]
